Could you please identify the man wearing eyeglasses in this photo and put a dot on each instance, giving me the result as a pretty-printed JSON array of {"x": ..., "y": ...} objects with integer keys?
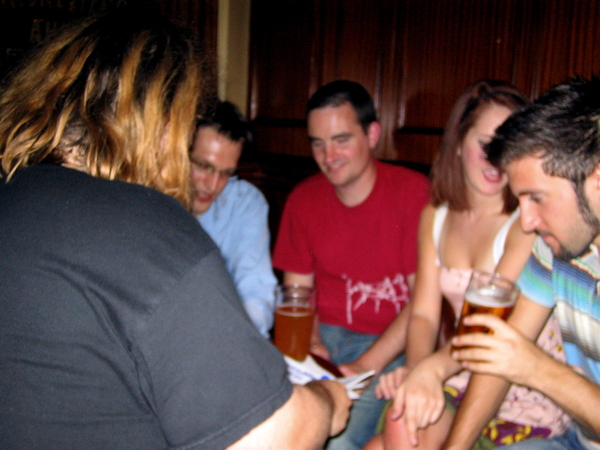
[{"x": 232, "y": 211}]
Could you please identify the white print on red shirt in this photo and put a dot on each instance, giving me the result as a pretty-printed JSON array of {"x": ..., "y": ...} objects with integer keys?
[{"x": 387, "y": 290}]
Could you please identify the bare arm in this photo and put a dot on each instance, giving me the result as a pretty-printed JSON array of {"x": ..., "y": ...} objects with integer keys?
[
  {"x": 307, "y": 280},
  {"x": 578, "y": 396},
  {"x": 575, "y": 394},
  {"x": 313, "y": 413},
  {"x": 476, "y": 410},
  {"x": 427, "y": 302},
  {"x": 485, "y": 392},
  {"x": 387, "y": 346}
]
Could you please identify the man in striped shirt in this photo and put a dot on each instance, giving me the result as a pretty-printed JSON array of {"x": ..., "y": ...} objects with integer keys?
[{"x": 551, "y": 153}]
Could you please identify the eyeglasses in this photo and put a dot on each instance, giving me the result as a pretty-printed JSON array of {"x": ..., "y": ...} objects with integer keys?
[{"x": 207, "y": 168}]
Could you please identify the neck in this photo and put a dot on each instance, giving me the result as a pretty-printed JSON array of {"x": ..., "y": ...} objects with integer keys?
[
  {"x": 482, "y": 205},
  {"x": 358, "y": 190}
]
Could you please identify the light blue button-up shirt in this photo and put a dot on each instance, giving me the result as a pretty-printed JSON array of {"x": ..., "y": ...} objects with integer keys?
[{"x": 237, "y": 221}]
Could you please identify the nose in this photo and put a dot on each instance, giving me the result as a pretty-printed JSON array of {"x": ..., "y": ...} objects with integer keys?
[
  {"x": 529, "y": 218},
  {"x": 212, "y": 180},
  {"x": 329, "y": 153}
]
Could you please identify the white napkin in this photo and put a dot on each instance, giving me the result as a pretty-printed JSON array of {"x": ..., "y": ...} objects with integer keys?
[{"x": 301, "y": 372}]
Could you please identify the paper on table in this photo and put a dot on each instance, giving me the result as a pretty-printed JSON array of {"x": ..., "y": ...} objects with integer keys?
[{"x": 301, "y": 372}]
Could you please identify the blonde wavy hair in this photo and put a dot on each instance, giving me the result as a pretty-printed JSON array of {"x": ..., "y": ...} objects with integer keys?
[{"x": 116, "y": 96}]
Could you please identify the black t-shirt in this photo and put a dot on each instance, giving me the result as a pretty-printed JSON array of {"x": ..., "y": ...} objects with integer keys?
[{"x": 119, "y": 325}]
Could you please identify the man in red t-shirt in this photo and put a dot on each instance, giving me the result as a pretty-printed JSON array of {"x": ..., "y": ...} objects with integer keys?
[{"x": 351, "y": 232}]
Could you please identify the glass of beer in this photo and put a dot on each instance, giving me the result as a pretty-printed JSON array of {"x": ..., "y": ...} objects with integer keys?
[
  {"x": 488, "y": 293},
  {"x": 294, "y": 314}
]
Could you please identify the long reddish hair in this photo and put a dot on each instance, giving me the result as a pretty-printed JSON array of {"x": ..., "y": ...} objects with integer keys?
[{"x": 447, "y": 173}]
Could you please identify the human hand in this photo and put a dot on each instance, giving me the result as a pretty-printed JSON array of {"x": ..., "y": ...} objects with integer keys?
[
  {"x": 505, "y": 352},
  {"x": 419, "y": 400},
  {"x": 317, "y": 348},
  {"x": 389, "y": 382},
  {"x": 352, "y": 368},
  {"x": 341, "y": 404}
]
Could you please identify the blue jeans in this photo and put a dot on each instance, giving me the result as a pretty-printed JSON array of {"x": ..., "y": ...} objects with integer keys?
[
  {"x": 345, "y": 346},
  {"x": 567, "y": 441}
]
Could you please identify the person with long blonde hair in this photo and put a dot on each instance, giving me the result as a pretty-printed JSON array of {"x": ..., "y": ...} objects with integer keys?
[{"x": 119, "y": 325}]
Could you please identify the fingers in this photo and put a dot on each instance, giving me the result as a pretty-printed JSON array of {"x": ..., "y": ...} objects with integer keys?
[
  {"x": 422, "y": 410},
  {"x": 413, "y": 437},
  {"x": 399, "y": 375},
  {"x": 397, "y": 408},
  {"x": 487, "y": 320},
  {"x": 386, "y": 387}
]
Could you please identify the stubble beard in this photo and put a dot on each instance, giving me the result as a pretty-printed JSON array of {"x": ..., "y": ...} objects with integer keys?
[{"x": 592, "y": 228}]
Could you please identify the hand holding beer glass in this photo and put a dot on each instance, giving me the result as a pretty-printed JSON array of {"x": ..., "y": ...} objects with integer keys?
[
  {"x": 487, "y": 294},
  {"x": 294, "y": 315}
]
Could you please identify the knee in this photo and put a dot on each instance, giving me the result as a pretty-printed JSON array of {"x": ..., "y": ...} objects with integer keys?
[{"x": 376, "y": 443}]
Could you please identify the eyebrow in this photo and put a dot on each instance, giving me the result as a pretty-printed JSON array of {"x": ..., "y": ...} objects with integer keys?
[
  {"x": 342, "y": 135},
  {"x": 200, "y": 161},
  {"x": 528, "y": 192},
  {"x": 337, "y": 136}
]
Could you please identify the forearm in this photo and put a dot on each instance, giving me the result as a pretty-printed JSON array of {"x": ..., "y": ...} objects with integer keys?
[
  {"x": 422, "y": 338},
  {"x": 389, "y": 345},
  {"x": 578, "y": 396},
  {"x": 441, "y": 363},
  {"x": 306, "y": 420},
  {"x": 481, "y": 401}
]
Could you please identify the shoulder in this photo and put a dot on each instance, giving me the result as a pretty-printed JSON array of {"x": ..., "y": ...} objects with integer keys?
[
  {"x": 129, "y": 215},
  {"x": 245, "y": 191},
  {"x": 512, "y": 228}
]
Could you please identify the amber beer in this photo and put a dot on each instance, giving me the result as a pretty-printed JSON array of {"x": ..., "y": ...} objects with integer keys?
[
  {"x": 487, "y": 294},
  {"x": 293, "y": 325},
  {"x": 294, "y": 314},
  {"x": 482, "y": 302}
]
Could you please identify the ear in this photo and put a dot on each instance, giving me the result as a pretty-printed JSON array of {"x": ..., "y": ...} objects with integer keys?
[
  {"x": 595, "y": 178},
  {"x": 373, "y": 133}
]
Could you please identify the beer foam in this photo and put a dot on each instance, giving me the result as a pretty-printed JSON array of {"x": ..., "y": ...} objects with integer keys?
[
  {"x": 487, "y": 297},
  {"x": 304, "y": 312}
]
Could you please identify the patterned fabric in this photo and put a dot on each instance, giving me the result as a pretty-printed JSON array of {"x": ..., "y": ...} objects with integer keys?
[
  {"x": 573, "y": 288},
  {"x": 498, "y": 431}
]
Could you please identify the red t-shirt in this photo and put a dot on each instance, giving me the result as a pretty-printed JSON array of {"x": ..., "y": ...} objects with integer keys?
[{"x": 361, "y": 255}]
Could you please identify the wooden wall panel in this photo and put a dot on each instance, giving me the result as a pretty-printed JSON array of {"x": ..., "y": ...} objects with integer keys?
[
  {"x": 280, "y": 46},
  {"x": 446, "y": 46},
  {"x": 570, "y": 35},
  {"x": 361, "y": 46},
  {"x": 414, "y": 56}
]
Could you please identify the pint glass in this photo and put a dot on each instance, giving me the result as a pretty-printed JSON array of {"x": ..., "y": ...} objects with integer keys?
[
  {"x": 294, "y": 314},
  {"x": 487, "y": 294}
]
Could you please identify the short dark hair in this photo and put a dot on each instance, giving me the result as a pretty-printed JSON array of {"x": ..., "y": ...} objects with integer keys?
[
  {"x": 447, "y": 175},
  {"x": 227, "y": 120},
  {"x": 339, "y": 92},
  {"x": 562, "y": 127}
]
